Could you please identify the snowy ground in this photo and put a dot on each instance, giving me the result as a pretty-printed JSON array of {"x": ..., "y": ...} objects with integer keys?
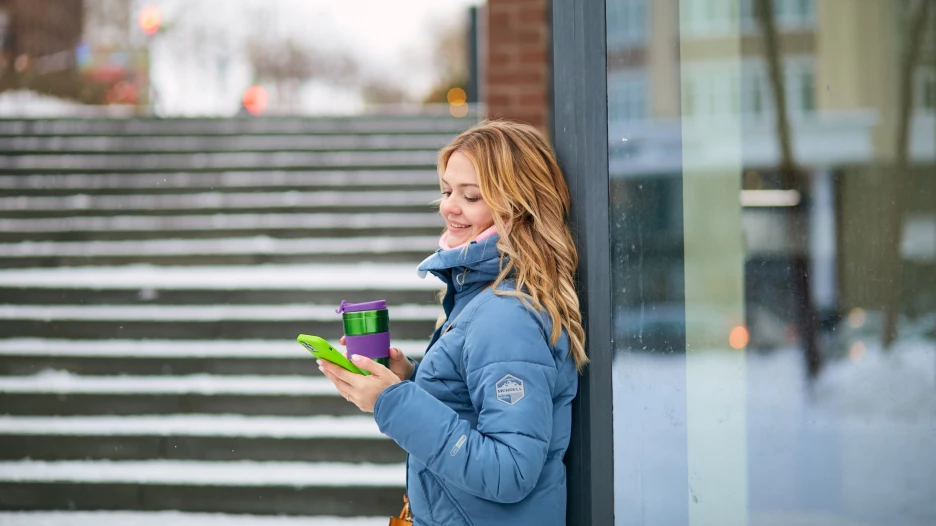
[
  {"x": 176, "y": 349},
  {"x": 203, "y": 425},
  {"x": 205, "y": 473},
  {"x": 224, "y": 200},
  {"x": 29, "y": 104},
  {"x": 67, "y": 383},
  {"x": 248, "y": 222},
  {"x": 219, "y": 247},
  {"x": 388, "y": 276},
  {"x": 109, "y": 518},
  {"x": 855, "y": 447},
  {"x": 194, "y": 313}
]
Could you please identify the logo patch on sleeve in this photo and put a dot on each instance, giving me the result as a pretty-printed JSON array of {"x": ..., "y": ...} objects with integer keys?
[{"x": 509, "y": 389}]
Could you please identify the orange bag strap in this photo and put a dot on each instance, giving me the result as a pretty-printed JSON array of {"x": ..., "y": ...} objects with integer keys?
[{"x": 406, "y": 517}]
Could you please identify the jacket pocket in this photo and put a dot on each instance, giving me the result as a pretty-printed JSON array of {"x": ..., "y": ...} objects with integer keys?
[{"x": 443, "y": 509}]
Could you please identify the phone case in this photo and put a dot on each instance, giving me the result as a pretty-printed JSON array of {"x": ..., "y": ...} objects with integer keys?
[{"x": 321, "y": 349}]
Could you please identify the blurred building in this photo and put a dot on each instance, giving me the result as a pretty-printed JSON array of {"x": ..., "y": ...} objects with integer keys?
[
  {"x": 843, "y": 107},
  {"x": 823, "y": 35},
  {"x": 78, "y": 50},
  {"x": 108, "y": 24},
  {"x": 38, "y": 39}
]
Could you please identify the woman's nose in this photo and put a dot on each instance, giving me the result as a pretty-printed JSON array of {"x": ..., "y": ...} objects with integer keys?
[{"x": 447, "y": 207}]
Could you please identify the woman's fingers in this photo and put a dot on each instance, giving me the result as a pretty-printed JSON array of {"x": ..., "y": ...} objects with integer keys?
[
  {"x": 342, "y": 341},
  {"x": 337, "y": 375},
  {"x": 400, "y": 364}
]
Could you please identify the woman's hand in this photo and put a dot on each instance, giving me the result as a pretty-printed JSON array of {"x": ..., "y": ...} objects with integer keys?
[
  {"x": 399, "y": 364},
  {"x": 358, "y": 389}
]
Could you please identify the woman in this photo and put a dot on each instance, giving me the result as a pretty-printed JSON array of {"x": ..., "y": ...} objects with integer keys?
[{"x": 486, "y": 416}]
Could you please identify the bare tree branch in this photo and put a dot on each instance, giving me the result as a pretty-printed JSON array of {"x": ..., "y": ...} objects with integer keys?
[{"x": 895, "y": 217}]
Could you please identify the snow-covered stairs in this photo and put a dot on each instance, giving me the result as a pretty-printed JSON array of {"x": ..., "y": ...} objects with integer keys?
[{"x": 153, "y": 277}]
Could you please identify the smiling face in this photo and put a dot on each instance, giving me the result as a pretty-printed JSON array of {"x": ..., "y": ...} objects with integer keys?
[{"x": 465, "y": 212}]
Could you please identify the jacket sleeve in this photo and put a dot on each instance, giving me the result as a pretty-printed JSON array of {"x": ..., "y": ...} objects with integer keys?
[{"x": 510, "y": 375}]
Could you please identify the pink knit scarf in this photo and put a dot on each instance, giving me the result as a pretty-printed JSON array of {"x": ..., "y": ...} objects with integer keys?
[{"x": 443, "y": 241}]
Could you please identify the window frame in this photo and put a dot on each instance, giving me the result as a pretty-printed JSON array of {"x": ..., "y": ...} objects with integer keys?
[{"x": 580, "y": 137}]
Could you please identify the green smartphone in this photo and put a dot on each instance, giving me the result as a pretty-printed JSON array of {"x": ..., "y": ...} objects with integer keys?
[{"x": 321, "y": 349}]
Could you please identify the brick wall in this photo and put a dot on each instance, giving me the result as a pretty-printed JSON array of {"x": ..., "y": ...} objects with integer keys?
[{"x": 518, "y": 61}]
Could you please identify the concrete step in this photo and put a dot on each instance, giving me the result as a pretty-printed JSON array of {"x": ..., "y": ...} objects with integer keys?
[
  {"x": 193, "y": 260},
  {"x": 360, "y": 279},
  {"x": 319, "y": 278},
  {"x": 138, "y": 386},
  {"x": 44, "y": 446},
  {"x": 202, "y": 161},
  {"x": 353, "y": 439},
  {"x": 176, "y": 518},
  {"x": 407, "y": 322},
  {"x": 390, "y": 124},
  {"x": 321, "y": 231},
  {"x": 230, "y": 181},
  {"x": 211, "y": 252},
  {"x": 29, "y": 364},
  {"x": 62, "y": 144},
  {"x": 38, "y": 404},
  {"x": 347, "y": 201},
  {"x": 21, "y": 326},
  {"x": 61, "y": 393},
  {"x": 205, "y": 296},
  {"x": 30, "y": 356},
  {"x": 203, "y": 226},
  {"x": 227, "y": 487}
]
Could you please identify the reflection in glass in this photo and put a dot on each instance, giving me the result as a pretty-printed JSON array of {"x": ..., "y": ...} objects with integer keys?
[{"x": 774, "y": 243}]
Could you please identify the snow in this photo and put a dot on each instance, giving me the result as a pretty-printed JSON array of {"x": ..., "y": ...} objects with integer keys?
[
  {"x": 352, "y": 276},
  {"x": 174, "y": 349},
  {"x": 217, "y": 247},
  {"x": 24, "y": 103},
  {"x": 175, "y": 518},
  {"x": 195, "y": 425},
  {"x": 209, "y": 160},
  {"x": 66, "y": 383},
  {"x": 202, "y": 473},
  {"x": 195, "y": 313},
  {"x": 222, "y": 221},
  {"x": 221, "y": 200},
  {"x": 895, "y": 386},
  {"x": 852, "y": 447},
  {"x": 228, "y": 180}
]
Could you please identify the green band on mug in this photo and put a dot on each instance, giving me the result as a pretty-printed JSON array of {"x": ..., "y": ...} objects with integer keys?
[{"x": 365, "y": 322}]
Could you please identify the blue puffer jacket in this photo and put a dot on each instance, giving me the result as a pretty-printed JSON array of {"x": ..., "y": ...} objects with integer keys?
[{"x": 486, "y": 417}]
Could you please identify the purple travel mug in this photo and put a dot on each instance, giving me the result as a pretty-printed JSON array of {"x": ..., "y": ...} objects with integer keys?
[{"x": 367, "y": 329}]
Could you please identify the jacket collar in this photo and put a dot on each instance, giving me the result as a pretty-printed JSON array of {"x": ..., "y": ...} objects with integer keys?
[{"x": 465, "y": 271}]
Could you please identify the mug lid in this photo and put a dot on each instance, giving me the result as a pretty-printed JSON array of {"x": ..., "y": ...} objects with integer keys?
[{"x": 358, "y": 307}]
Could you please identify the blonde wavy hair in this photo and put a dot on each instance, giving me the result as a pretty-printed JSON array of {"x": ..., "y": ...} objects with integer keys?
[{"x": 521, "y": 182}]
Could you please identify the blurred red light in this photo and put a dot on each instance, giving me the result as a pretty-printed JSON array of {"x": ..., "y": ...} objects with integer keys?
[
  {"x": 738, "y": 339},
  {"x": 255, "y": 100},
  {"x": 150, "y": 19}
]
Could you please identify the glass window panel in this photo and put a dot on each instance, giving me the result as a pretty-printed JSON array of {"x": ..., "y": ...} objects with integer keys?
[
  {"x": 926, "y": 88},
  {"x": 807, "y": 90},
  {"x": 774, "y": 266},
  {"x": 626, "y": 23}
]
